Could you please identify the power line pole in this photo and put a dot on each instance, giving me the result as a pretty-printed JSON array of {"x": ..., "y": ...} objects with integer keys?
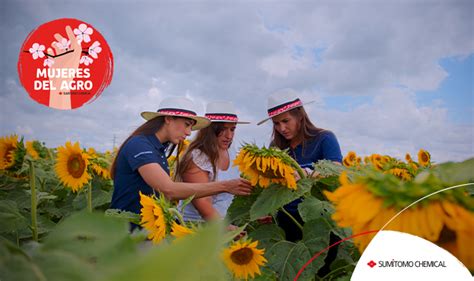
[{"x": 113, "y": 146}]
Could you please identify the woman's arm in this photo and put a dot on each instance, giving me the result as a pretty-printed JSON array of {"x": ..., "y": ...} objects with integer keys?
[
  {"x": 160, "y": 181},
  {"x": 204, "y": 205}
]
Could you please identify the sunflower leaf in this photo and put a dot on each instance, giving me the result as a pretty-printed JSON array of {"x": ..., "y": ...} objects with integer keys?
[
  {"x": 276, "y": 196},
  {"x": 312, "y": 208},
  {"x": 238, "y": 212},
  {"x": 287, "y": 258},
  {"x": 267, "y": 235}
]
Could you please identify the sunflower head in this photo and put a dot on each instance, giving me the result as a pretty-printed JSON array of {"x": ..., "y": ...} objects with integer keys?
[
  {"x": 244, "y": 259},
  {"x": 350, "y": 159},
  {"x": 99, "y": 164},
  {"x": 182, "y": 147},
  {"x": 31, "y": 150},
  {"x": 264, "y": 166},
  {"x": 179, "y": 231},
  {"x": 71, "y": 166},
  {"x": 424, "y": 158},
  {"x": 12, "y": 152},
  {"x": 400, "y": 173},
  {"x": 153, "y": 218}
]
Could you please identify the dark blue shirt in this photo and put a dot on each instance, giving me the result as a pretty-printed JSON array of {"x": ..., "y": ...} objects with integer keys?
[
  {"x": 322, "y": 147},
  {"x": 136, "y": 152}
]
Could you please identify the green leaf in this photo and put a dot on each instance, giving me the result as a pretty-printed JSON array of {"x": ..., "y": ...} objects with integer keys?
[
  {"x": 276, "y": 196},
  {"x": 312, "y": 208},
  {"x": 61, "y": 265},
  {"x": 327, "y": 168},
  {"x": 120, "y": 214},
  {"x": 229, "y": 235},
  {"x": 316, "y": 235},
  {"x": 287, "y": 258},
  {"x": 91, "y": 236},
  {"x": 238, "y": 212},
  {"x": 15, "y": 265},
  {"x": 267, "y": 275},
  {"x": 194, "y": 257},
  {"x": 267, "y": 235},
  {"x": 10, "y": 217}
]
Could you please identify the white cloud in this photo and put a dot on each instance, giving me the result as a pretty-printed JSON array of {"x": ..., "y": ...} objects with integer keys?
[{"x": 211, "y": 51}]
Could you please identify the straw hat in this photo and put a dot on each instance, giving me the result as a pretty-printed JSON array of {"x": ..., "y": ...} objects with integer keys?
[
  {"x": 222, "y": 111},
  {"x": 282, "y": 101},
  {"x": 178, "y": 106}
]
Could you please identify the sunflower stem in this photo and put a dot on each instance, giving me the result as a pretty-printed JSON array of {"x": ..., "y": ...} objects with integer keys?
[
  {"x": 177, "y": 214},
  {"x": 297, "y": 167},
  {"x": 34, "y": 224},
  {"x": 89, "y": 197},
  {"x": 292, "y": 218}
]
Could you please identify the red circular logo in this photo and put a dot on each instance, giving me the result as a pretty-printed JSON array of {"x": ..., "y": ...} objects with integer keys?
[{"x": 65, "y": 63}]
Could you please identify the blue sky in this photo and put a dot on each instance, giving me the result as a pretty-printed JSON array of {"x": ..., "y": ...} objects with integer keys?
[{"x": 387, "y": 77}]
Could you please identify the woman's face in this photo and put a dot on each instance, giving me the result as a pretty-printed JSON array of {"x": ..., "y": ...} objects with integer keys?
[
  {"x": 179, "y": 129},
  {"x": 225, "y": 137},
  {"x": 287, "y": 125}
]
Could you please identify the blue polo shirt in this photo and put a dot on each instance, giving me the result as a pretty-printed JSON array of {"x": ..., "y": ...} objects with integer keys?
[
  {"x": 322, "y": 147},
  {"x": 136, "y": 152}
]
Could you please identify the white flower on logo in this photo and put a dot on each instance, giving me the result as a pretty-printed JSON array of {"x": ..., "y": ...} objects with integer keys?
[
  {"x": 83, "y": 33},
  {"x": 95, "y": 49},
  {"x": 86, "y": 60},
  {"x": 64, "y": 44},
  {"x": 48, "y": 62},
  {"x": 37, "y": 51}
]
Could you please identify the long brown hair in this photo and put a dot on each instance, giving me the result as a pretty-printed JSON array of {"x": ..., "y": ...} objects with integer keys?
[
  {"x": 306, "y": 131},
  {"x": 206, "y": 141},
  {"x": 148, "y": 128}
]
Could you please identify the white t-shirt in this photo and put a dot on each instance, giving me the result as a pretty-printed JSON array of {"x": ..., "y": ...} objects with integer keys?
[{"x": 221, "y": 201}]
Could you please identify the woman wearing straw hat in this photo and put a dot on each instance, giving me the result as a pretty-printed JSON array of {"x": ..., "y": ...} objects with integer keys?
[
  {"x": 208, "y": 159},
  {"x": 307, "y": 144},
  {"x": 141, "y": 164}
]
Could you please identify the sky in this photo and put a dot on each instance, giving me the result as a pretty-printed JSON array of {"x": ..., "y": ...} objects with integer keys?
[{"x": 388, "y": 77}]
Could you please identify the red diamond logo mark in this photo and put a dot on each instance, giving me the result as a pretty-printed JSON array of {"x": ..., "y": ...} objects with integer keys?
[{"x": 371, "y": 264}]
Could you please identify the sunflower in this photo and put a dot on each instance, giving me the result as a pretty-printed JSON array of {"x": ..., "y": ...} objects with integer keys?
[
  {"x": 401, "y": 173},
  {"x": 71, "y": 166},
  {"x": 243, "y": 259},
  {"x": 152, "y": 218},
  {"x": 408, "y": 158},
  {"x": 424, "y": 158},
  {"x": 98, "y": 164},
  {"x": 182, "y": 147},
  {"x": 30, "y": 149},
  {"x": 367, "y": 205},
  {"x": 350, "y": 159},
  {"x": 101, "y": 171},
  {"x": 179, "y": 231},
  {"x": 8, "y": 147},
  {"x": 267, "y": 165}
]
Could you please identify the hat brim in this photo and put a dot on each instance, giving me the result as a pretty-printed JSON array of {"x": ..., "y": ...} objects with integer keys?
[
  {"x": 266, "y": 119},
  {"x": 228, "y": 121},
  {"x": 201, "y": 122}
]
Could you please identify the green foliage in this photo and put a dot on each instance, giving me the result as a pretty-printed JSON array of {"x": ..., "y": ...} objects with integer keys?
[{"x": 276, "y": 196}]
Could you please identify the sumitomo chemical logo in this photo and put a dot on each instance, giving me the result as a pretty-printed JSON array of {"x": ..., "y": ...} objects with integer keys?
[
  {"x": 65, "y": 63},
  {"x": 407, "y": 263}
]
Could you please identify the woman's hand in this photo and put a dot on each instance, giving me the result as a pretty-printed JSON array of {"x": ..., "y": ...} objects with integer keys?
[
  {"x": 238, "y": 186},
  {"x": 232, "y": 227},
  {"x": 265, "y": 220}
]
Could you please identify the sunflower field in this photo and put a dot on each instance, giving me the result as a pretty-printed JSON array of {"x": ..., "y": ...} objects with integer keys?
[{"x": 55, "y": 221}]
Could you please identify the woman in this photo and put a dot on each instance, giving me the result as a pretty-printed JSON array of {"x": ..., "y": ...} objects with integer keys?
[
  {"x": 141, "y": 164},
  {"x": 208, "y": 159},
  {"x": 307, "y": 144}
]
